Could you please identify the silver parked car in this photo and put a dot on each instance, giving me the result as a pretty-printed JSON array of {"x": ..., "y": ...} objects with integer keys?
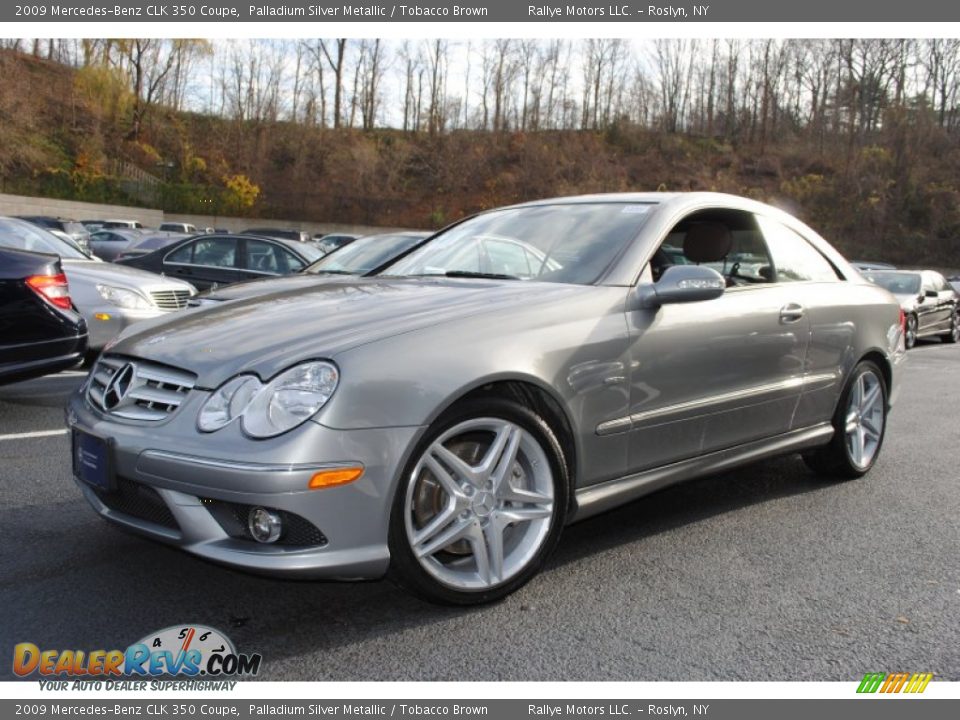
[
  {"x": 526, "y": 368},
  {"x": 109, "y": 243},
  {"x": 110, "y": 297}
]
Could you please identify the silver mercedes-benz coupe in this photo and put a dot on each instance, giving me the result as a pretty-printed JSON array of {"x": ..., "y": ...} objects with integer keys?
[{"x": 526, "y": 368}]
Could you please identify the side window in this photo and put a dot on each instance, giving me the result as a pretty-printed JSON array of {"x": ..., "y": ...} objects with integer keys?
[
  {"x": 182, "y": 254},
  {"x": 292, "y": 262},
  {"x": 215, "y": 252},
  {"x": 262, "y": 257},
  {"x": 794, "y": 259},
  {"x": 728, "y": 241}
]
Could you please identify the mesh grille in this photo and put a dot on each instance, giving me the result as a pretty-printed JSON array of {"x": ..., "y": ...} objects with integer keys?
[
  {"x": 170, "y": 299},
  {"x": 139, "y": 501},
  {"x": 137, "y": 389},
  {"x": 297, "y": 531}
]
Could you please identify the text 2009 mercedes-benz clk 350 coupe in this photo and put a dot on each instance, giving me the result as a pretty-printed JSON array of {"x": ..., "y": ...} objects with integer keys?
[{"x": 528, "y": 367}]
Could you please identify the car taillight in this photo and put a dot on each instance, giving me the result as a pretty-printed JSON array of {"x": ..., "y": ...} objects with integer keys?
[{"x": 52, "y": 288}]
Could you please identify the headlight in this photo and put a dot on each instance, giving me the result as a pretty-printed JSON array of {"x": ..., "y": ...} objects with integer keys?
[
  {"x": 287, "y": 401},
  {"x": 127, "y": 299},
  {"x": 228, "y": 402}
]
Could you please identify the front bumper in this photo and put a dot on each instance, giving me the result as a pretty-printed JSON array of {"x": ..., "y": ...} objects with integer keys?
[
  {"x": 105, "y": 322},
  {"x": 181, "y": 487}
]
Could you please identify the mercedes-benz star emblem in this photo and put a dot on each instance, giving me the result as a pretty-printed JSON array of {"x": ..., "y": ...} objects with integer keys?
[{"x": 118, "y": 386}]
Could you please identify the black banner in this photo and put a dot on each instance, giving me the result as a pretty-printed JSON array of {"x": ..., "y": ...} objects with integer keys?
[
  {"x": 580, "y": 11},
  {"x": 190, "y": 707}
]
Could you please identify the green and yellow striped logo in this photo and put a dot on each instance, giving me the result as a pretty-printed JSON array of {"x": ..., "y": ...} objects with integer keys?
[{"x": 895, "y": 682}]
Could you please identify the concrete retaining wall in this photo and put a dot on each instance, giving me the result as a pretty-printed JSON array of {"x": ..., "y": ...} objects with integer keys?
[{"x": 22, "y": 205}]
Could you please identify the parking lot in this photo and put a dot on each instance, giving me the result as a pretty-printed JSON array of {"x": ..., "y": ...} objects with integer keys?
[{"x": 760, "y": 574}]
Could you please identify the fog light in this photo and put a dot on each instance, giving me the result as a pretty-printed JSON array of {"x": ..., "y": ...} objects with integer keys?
[
  {"x": 265, "y": 525},
  {"x": 101, "y": 316}
]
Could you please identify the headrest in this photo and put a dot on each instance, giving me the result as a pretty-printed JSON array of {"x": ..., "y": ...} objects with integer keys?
[{"x": 707, "y": 242}]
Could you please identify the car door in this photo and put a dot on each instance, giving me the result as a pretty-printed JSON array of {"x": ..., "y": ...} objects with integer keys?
[
  {"x": 828, "y": 303},
  {"x": 946, "y": 301},
  {"x": 719, "y": 373},
  {"x": 206, "y": 262},
  {"x": 929, "y": 308}
]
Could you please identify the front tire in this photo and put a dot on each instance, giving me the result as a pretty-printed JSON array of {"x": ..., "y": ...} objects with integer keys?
[
  {"x": 480, "y": 504},
  {"x": 859, "y": 422}
]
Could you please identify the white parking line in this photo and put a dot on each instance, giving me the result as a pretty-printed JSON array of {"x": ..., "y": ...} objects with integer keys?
[{"x": 37, "y": 434}]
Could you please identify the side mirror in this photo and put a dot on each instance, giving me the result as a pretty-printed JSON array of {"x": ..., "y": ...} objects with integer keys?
[{"x": 681, "y": 284}]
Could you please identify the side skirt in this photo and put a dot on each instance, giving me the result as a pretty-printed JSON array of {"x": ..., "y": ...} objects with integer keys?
[{"x": 604, "y": 496}]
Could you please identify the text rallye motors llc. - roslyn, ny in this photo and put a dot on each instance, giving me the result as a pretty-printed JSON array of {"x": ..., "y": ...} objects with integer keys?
[
  {"x": 201, "y": 657},
  {"x": 616, "y": 12},
  {"x": 613, "y": 710}
]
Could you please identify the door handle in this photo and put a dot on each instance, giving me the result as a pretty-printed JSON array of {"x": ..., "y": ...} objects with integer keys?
[{"x": 791, "y": 312}]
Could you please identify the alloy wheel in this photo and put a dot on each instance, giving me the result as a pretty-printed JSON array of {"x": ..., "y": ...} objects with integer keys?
[
  {"x": 864, "y": 419},
  {"x": 479, "y": 504},
  {"x": 911, "y": 337}
]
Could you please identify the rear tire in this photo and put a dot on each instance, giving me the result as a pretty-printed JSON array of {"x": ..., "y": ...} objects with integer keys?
[
  {"x": 954, "y": 335},
  {"x": 910, "y": 336},
  {"x": 480, "y": 505},
  {"x": 859, "y": 423}
]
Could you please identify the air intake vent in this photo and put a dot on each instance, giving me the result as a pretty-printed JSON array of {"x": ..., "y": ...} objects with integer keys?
[{"x": 138, "y": 389}]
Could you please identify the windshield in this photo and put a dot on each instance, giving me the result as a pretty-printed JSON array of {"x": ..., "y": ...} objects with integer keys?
[
  {"x": 24, "y": 236},
  {"x": 896, "y": 282},
  {"x": 365, "y": 255},
  {"x": 308, "y": 251},
  {"x": 329, "y": 243},
  {"x": 563, "y": 243},
  {"x": 74, "y": 228}
]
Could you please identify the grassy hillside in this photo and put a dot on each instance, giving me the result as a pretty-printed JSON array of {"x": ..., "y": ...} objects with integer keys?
[{"x": 893, "y": 195}]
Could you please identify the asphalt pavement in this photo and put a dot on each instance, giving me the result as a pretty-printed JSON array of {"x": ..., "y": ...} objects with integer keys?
[{"x": 764, "y": 573}]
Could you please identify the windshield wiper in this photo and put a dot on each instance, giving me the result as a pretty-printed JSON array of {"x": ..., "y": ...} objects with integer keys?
[
  {"x": 472, "y": 274},
  {"x": 332, "y": 272}
]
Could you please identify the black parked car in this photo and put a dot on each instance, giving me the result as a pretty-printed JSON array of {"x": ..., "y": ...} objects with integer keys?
[
  {"x": 40, "y": 332},
  {"x": 367, "y": 256},
  {"x": 213, "y": 260},
  {"x": 930, "y": 305}
]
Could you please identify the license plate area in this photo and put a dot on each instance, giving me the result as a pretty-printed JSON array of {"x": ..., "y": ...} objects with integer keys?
[{"x": 92, "y": 460}]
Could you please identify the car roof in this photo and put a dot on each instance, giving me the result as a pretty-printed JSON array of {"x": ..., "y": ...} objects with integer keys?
[
  {"x": 129, "y": 232},
  {"x": 294, "y": 245}
]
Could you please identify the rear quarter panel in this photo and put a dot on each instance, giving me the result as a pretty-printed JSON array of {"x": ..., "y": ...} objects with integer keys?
[{"x": 848, "y": 321}]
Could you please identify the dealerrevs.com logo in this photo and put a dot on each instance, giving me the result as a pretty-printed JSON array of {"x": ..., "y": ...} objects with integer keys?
[
  {"x": 188, "y": 651},
  {"x": 887, "y": 683}
]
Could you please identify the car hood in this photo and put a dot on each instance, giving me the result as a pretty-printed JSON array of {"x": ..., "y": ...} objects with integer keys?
[
  {"x": 125, "y": 276},
  {"x": 267, "y": 333},
  {"x": 267, "y": 286}
]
